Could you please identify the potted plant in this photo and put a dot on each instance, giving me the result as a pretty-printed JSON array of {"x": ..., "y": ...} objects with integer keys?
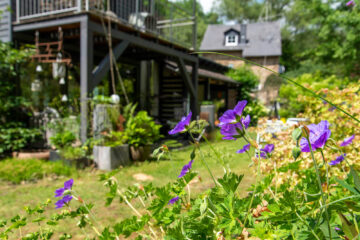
[
  {"x": 59, "y": 141},
  {"x": 68, "y": 151},
  {"x": 111, "y": 151},
  {"x": 141, "y": 131}
]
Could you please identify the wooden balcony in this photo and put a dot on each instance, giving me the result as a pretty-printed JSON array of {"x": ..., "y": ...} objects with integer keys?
[{"x": 161, "y": 18}]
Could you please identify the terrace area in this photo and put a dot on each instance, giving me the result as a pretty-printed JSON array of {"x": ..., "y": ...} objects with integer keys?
[{"x": 159, "y": 18}]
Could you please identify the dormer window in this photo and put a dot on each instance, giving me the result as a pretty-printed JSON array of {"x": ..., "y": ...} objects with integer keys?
[{"x": 231, "y": 38}]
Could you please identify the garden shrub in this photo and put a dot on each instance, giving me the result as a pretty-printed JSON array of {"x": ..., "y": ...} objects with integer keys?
[
  {"x": 17, "y": 170},
  {"x": 311, "y": 202},
  {"x": 288, "y": 94}
]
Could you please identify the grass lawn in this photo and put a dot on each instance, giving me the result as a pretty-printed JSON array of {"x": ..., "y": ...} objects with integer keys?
[{"x": 14, "y": 197}]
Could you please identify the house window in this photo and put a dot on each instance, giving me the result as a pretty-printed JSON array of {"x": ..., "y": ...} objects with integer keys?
[{"x": 231, "y": 40}]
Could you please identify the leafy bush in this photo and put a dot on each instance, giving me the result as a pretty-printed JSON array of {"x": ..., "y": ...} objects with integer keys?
[
  {"x": 247, "y": 80},
  {"x": 141, "y": 130},
  {"x": 291, "y": 106},
  {"x": 15, "y": 139},
  {"x": 63, "y": 139},
  {"x": 114, "y": 139},
  {"x": 18, "y": 170}
]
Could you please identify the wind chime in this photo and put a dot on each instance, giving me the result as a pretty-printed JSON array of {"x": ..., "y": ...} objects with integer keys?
[{"x": 52, "y": 52}]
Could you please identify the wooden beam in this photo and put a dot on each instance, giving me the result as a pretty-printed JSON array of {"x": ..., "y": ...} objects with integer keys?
[
  {"x": 104, "y": 66},
  {"x": 185, "y": 76},
  {"x": 49, "y": 23},
  {"x": 141, "y": 42}
]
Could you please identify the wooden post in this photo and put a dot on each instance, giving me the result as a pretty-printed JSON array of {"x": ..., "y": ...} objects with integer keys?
[
  {"x": 194, "y": 103},
  {"x": 86, "y": 63}
]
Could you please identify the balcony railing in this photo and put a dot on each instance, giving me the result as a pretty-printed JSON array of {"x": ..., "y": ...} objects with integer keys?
[{"x": 160, "y": 17}]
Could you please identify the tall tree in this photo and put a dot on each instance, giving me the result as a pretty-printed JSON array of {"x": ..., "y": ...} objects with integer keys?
[{"x": 251, "y": 10}]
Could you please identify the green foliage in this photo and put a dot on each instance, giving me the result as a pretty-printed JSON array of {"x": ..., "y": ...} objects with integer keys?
[
  {"x": 63, "y": 139},
  {"x": 114, "y": 139},
  {"x": 15, "y": 139},
  {"x": 141, "y": 130},
  {"x": 73, "y": 153},
  {"x": 247, "y": 80},
  {"x": 289, "y": 94},
  {"x": 14, "y": 109},
  {"x": 256, "y": 111},
  {"x": 18, "y": 170}
]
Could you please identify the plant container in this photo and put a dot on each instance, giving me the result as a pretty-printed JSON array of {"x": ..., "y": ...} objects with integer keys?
[{"x": 109, "y": 158}]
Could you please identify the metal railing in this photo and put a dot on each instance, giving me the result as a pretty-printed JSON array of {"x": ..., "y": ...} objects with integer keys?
[{"x": 163, "y": 18}]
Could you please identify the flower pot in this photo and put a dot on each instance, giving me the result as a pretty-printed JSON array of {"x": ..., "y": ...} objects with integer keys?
[
  {"x": 78, "y": 163},
  {"x": 140, "y": 154},
  {"x": 109, "y": 158}
]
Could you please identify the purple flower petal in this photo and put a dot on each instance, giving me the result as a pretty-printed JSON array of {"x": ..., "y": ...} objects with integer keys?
[
  {"x": 185, "y": 121},
  {"x": 338, "y": 160},
  {"x": 186, "y": 168},
  {"x": 347, "y": 141},
  {"x": 229, "y": 130},
  {"x": 262, "y": 155},
  {"x": 174, "y": 200},
  {"x": 67, "y": 198},
  {"x": 59, "y": 204},
  {"x": 244, "y": 148},
  {"x": 229, "y": 116},
  {"x": 268, "y": 148},
  {"x": 350, "y": 3},
  {"x": 59, "y": 192},
  {"x": 246, "y": 121},
  {"x": 68, "y": 184},
  {"x": 239, "y": 108},
  {"x": 318, "y": 136}
]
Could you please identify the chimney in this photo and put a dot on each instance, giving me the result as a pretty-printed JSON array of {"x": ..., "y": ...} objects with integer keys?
[{"x": 243, "y": 33}]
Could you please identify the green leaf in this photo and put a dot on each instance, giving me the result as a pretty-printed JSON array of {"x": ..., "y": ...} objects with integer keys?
[
  {"x": 347, "y": 186},
  {"x": 356, "y": 178},
  {"x": 296, "y": 134},
  {"x": 348, "y": 228}
]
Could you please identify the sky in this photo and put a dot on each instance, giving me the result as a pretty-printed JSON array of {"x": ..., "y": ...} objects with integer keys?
[{"x": 206, "y": 4}]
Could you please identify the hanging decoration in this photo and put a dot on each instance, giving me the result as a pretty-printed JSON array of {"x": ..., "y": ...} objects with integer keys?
[{"x": 47, "y": 52}]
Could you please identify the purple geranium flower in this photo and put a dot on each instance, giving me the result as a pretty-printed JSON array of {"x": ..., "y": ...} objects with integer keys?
[
  {"x": 67, "y": 186},
  {"x": 186, "y": 168},
  {"x": 230, "y": 130},
  {"x": 350, "y": 3},
  {"x": 174, "y": 200},
  {"x": 347, "y": 141},
  {"x": 185, "y": 121},
  {"x": 60, "y": 203},
  {"x": 246, "y": 121},
  {"x": 265, "y": 151},
  {"x": 59, "y": 192},
  {"x": 319, "y": 134},
  {"x": 230, "y": 116},
  {"x": 338, "y": 160},
  {"x": 268, "y": 148},
  {"x": 244, "y": 149}
]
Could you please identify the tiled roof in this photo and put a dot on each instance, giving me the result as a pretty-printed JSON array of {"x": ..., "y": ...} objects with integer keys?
[{"x": 263, "y": 39}]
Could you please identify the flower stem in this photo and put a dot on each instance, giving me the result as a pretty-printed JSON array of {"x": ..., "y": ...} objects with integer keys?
[
  {"x": 311, "y": 230},
  {"x": 215, "y": 152},
  {"x": 254, "y": 192},
  {"x": 320, "y": 186},
  {"x": 203, "y": 160},
  {"x": 326, "y": 169}
]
